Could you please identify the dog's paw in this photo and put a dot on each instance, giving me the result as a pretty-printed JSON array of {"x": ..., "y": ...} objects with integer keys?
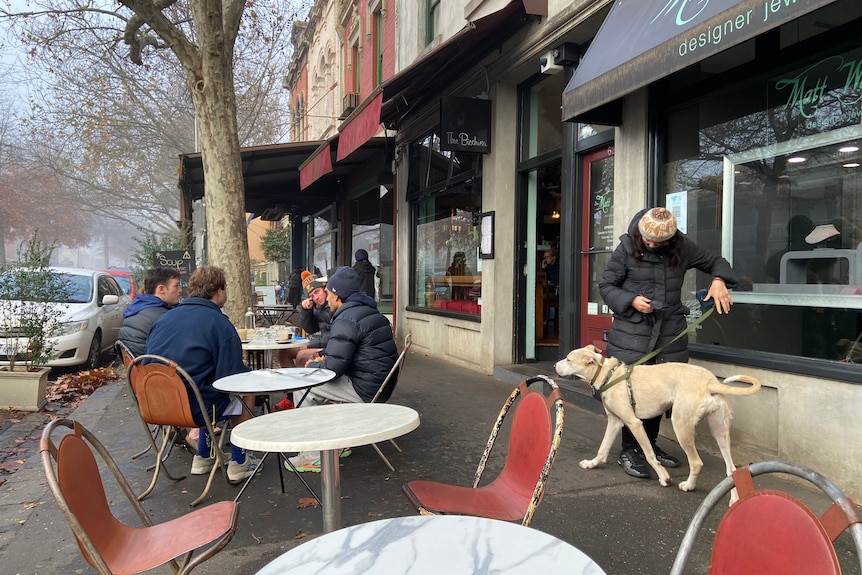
[
  {"x": 588, "y": 463},
  {"x": 664, "y": 478},
  {"x": 686, "y": 486}
]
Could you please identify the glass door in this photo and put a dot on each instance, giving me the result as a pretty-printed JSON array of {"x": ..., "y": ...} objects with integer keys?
[{"x": 597, "y": 243}]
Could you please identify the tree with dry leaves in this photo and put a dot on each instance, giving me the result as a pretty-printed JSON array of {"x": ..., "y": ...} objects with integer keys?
[{"x": 208, "y": 41}]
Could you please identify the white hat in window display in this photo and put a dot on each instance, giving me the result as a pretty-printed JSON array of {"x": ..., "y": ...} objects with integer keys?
[{"x": 821, "y": 233}]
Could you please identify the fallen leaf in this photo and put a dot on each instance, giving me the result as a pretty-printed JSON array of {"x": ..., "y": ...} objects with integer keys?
[
  {"x": 307, "y": 502},
  {"x": 300, "y": 535}
]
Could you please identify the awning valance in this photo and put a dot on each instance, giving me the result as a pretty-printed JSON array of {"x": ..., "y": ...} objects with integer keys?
[
  {"x": 642, "y": 41},
  {"x": 318, "y": 164}
]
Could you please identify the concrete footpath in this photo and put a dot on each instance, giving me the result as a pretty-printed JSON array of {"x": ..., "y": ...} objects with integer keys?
[{"x": 626, "y": 525}]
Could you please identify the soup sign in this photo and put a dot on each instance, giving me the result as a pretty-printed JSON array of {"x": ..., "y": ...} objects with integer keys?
[{"x": 181, "y": 260}]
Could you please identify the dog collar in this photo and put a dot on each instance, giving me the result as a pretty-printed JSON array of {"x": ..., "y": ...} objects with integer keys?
[{"x": 608, "y": 374}]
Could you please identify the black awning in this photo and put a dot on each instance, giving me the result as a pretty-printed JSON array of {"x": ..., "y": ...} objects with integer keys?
[
  {"x": 271, "y": 176},
  {"x": 643, "y": 41}
]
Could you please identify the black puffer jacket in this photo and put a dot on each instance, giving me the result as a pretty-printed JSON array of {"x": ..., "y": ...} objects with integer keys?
[
  {"x": 316, "y": 321},
  {"x": 634, "y": 334},
  {"x": 361, "y": 346}
]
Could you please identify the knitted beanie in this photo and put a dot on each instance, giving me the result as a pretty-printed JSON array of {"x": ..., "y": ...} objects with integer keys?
[
  {"x": 310, "y": 283},
  {"x": 344, "y": 282},
  {"x": 657, "y": 225},
  {"x": 360, "y": 255}
]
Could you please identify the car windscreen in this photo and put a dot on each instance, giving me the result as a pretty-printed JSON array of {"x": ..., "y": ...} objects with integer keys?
[{"x": 70, "y": 288}]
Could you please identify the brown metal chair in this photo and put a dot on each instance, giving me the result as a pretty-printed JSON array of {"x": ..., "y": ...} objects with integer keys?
[
  {"x": 534, "y": 437},
  {"x": 159, "y": 387},
  {"x": 109, "y": 545},
  {"x": 770, "y": 531}
]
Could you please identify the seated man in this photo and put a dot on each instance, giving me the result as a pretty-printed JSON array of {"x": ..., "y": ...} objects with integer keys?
[
  {"x": 360, "y": 351},
  {"x": 202, "y": 340},
  {"x": 161, "y": 292},
  {"x": 314, "y": 317}
]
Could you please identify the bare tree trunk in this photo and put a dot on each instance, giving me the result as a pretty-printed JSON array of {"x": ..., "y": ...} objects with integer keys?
[{"x": 214, "y": 97}]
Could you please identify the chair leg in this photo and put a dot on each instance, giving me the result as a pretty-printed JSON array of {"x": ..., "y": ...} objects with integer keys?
[
  {"x": 160, "y": 466},
  {"x": 153, "y": 431},
  {"x": 219, "y": 462},
  {"x": 383, "y": 457}
]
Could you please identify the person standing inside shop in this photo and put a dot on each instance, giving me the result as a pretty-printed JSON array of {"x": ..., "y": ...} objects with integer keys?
[
  {"x": 642, "y": 284},
  {"x": 365, "y": 270}
]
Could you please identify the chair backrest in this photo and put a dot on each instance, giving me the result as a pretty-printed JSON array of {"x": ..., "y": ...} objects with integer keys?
[
  {"x": 770, "y": 531},
  {"x": 77, "y": 486},
  {"x": 161, "y": 389},
  {"x": 384, "y": 392},
  {"x": 534, "y": 438},
  {"x": 126, "y": 354}
]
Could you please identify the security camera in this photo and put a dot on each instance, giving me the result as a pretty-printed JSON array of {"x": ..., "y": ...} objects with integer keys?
[{"x": 547, "y": 64}]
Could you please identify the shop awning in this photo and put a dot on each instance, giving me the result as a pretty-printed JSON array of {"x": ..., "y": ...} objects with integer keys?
[
  {"x": 272, "y": 176},
  {"x": 318, "y": 164},
  {"x": 363, "y": 125},
  {"x": 641, "y": 42},
  {"x": 490, "y": 22}
]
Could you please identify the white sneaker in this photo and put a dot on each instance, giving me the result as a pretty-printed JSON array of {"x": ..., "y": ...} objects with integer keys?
[
  {"x": 239, "y": 471},
  {"x": 305, "y": 459},
  {"x": 202, "y": 465}
]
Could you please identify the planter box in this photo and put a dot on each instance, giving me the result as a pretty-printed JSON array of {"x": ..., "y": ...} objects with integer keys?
[{"x": 23, "y": 390}]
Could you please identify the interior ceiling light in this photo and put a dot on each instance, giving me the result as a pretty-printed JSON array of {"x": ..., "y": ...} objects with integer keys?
[
  {"x": 848, "y": 149},
  {"x": 851, "y": 165},
  {"x": 796, "y": 160}
]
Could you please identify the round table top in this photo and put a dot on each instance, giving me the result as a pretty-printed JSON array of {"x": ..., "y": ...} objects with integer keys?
[
  {"x": 264, "y": 346},
  {"x": 428, "y": 545},
  {"x": 325, "y": 427},
  {"x": 273, "y": 380}
]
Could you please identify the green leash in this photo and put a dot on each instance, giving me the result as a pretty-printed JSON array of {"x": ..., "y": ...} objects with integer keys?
[{"x": 653, "y": 353}]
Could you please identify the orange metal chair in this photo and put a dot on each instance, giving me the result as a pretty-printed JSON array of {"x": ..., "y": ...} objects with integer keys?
[
  {"x": 536, "y": 431},
  {"x": 159, "y": 388},
  {"x": 110, "y": 546},
  {"x": 770, "y": 531}
]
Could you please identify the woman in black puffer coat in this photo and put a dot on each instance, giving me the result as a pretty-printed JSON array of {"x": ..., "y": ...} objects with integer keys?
[{"x": 642, "y": 285}]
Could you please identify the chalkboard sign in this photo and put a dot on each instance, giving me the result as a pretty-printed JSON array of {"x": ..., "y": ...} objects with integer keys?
[{"x": 181, "y": 260}]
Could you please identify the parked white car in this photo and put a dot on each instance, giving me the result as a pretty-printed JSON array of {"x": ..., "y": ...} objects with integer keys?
[{"x": 92, "y": 317}]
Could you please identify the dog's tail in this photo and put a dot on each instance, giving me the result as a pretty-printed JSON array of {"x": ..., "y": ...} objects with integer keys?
[{"x": 721, "y": 387}]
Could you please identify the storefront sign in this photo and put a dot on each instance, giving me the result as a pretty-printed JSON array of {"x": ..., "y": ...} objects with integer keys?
[
  {"x": 664, "y": 37},
  {"x": 814, "y": 92},
  {"x": 465, "y": 125}
]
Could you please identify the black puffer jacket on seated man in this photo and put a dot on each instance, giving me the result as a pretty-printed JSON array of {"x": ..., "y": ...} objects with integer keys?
[{"x": 360, "y": 346}]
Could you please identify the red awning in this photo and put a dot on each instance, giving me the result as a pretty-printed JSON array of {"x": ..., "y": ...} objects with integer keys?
[
  {"x": 364, "y": 125},
  {"x": 316, "y": 166}
]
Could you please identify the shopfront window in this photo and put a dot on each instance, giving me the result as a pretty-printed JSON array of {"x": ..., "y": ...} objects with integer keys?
[
  {"x": 445, "y": 195},
  {"x": 323, "y": 229},
  {"x": 768, "y": 174}
]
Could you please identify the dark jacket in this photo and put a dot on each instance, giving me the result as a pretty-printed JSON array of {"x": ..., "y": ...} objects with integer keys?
[
  {"x": 316, "y": 321},
  {"x": 361, "y": 346},
  {"x": 140, "y": 316},
  {"x": 366, "y": 277},
  {"x": 634, "y": 334},
  {"x": 202, "y": 340}
]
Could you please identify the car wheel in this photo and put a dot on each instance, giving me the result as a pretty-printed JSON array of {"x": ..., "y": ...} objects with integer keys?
[{"x": 95, "y": 352}]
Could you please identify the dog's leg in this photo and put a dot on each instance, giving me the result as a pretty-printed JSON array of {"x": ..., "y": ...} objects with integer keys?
[
  {"x": 719, "y": 425},
  {"x": 636, "y": 426},
  {"x": 683, "y": 427},
  {"x": 612, "y": 431}
]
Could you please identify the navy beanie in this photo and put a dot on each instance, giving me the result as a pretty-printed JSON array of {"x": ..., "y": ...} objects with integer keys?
[
  {"x": 360, "y": 255},
  {"x": 344, "y": 282}
]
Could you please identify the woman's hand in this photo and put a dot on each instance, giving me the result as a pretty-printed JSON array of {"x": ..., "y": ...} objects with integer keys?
[
  {"x": 720, "y": 296},
  {"x": 642, "y": 304}
]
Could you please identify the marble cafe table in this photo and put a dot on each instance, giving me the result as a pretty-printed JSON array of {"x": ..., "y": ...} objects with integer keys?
[
  {"x": 432, "y": 545},
  {"x": 328, "y": 428}
]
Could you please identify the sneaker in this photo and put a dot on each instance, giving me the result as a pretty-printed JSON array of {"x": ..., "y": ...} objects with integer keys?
[
  {"x": 345, "y": 452},
  {"x": 305, "y": 461},
  {"x": 633, "y": 463},
  {"x": 238, "y": 471},
  {"x": 665, "y": 459},
  {"x": 283, "y": 405},
  {"x": 202, "y": 465}
]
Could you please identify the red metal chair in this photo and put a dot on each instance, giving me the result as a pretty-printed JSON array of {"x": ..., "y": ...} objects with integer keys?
[
  {"x": 536, "y": 431},
  {"x": 769, "y": 531},
  {"x": 391, "y": 381},
  {"x": 109, "y": 545}
]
